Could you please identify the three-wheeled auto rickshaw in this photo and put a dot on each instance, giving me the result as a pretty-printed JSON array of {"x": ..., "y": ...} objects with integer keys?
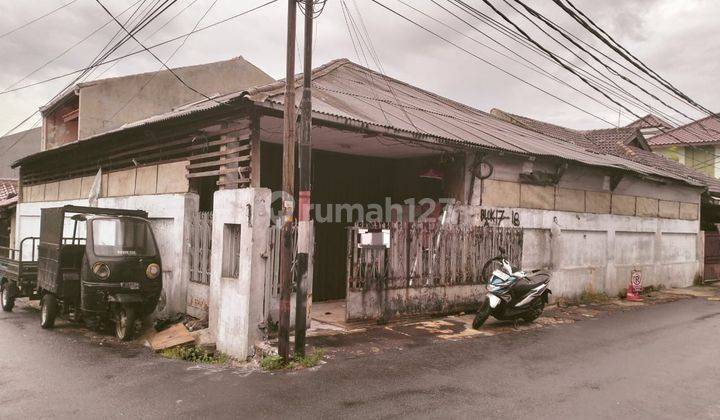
[{"x": 113, "y": 274}]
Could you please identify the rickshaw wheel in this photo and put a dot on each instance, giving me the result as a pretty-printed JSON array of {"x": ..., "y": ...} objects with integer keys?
[
  {"x": 8, "y": 303},
  {"x": 49, "y": 311},
  {"x": 125, "y": 323}
]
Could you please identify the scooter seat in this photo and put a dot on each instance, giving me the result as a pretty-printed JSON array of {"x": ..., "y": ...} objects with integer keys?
[{"x": 525, "y": 285}]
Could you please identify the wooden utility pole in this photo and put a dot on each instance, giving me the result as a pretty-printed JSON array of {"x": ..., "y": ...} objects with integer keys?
[
  {"x": 305, "y": 242},
  {"x": 288, "y": 178}
]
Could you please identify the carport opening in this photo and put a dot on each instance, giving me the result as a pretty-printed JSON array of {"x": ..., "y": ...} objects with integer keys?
[{"x": 351, "y": 169}]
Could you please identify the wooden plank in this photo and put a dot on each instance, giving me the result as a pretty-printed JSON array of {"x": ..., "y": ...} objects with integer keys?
[
  {"x": 239, "y": 181},
  {"x": 255, "y": 151},
  {"x": 174, "y": 336},
  {"x": 219, "y": 162},
  {"x": 219, "y": 153},
  {"x": 214, "y": 173}
]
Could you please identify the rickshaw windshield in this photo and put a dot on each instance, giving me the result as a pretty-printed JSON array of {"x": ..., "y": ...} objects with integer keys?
[{"x": 122, "y": 237}]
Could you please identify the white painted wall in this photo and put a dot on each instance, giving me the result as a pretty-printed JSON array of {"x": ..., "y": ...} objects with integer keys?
[
  {"x": 236, "y": 304},
  {"x": 167, "y": 213}
]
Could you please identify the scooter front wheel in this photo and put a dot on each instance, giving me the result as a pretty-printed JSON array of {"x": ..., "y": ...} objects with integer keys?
[{"x": 482, "y": 314}]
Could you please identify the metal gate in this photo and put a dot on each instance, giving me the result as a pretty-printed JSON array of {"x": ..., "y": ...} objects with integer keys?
[
  {"x": 200, "y": 237},
  {"x": 712, "y": 256}
]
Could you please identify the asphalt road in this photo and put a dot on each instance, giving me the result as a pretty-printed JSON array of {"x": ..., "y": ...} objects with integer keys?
[{"x": 656, "y": 362}]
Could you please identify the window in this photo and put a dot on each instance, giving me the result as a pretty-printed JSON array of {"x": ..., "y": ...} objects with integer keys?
[
  {"x": 231, "y": 251},
  {"x": 122, "y": 237}
]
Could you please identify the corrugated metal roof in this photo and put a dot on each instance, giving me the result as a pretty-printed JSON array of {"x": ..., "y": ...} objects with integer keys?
[{"x": 345, "y": 90}]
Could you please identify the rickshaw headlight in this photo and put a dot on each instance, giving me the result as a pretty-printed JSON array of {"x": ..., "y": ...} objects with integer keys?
[
  {"x": 101, "y": 270},
  {"x": 152, "y": 271}
]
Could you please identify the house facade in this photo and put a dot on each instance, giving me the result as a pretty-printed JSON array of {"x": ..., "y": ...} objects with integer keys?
[
  {"x": 696, "y": 145},
  {"x": 12, "y": 148},
  {"x": 380, "y": 147},
  {"x": 95, "y": 107}
]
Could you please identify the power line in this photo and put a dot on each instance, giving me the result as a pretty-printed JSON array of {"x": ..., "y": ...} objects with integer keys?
[
  {"x": 57, "y": 57},
  {"x": 37, "y": 19},
  {"x": 608, "y": 40},
  {"x": 96, "y": 60},
  {"x": 490, "y": 63},
  {"x": 150, "y": 36},
  {"x": 159, "y": 44},
  {"x": 168, "y": 59},
  {"x": 155, "y": 56}
]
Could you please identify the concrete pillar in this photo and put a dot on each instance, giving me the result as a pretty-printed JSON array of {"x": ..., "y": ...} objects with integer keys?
[
  {"x": 610, "y": 270},
  {"x": 236, "y": 300}
]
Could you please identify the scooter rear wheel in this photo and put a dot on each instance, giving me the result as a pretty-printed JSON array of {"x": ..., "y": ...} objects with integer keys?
[
  {"x": 535, "y": 312},
  {"x": 482, "y": 315}
]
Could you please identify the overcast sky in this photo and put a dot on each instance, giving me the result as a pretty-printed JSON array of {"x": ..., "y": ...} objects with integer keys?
[{"x": 680, "y": 39}]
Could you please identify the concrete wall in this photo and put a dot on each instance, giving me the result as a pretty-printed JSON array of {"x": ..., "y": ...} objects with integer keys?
[
  {"x": 589, "y": 236},
  {"x": 592, "y": 237},
  {"x": 165, "y": 178},
  {"x": 110, "y": 103},
  {"x": 236, "y": 303},
  {"x": 388, "y": 303},
  {"x": 167, "y": 213}
]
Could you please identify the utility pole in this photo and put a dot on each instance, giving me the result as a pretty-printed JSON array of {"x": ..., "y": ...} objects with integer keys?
[
  {"x": 288, "y": 178},
  {"x": 305, "y": 241}
]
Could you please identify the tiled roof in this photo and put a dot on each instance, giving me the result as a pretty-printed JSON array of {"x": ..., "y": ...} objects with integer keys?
[
  {"x": 617, "y": 142},
  {"x": 703, "y": 131},
  {"x": 8, "y": 188},
  {"x": 650, "y": 121}
]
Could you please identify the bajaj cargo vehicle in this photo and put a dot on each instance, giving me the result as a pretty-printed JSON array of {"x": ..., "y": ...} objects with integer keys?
[{"x": 114, "y": 274}]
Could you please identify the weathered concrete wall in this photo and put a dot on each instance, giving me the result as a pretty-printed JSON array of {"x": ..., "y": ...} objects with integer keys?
[
  {"x": 594, "y": 237},
  {"x": 165, "y": 178},
  {"x": 236, "y": 304},
  {"x": 167, "y": 213},
  {"x": 388, "y": 303},
  {"x": 589, "y": 236},
  {"x": 110, "y": 103}
]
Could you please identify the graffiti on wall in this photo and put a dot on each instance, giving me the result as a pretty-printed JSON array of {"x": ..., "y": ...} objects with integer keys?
[{"x": 497, "y": 217}]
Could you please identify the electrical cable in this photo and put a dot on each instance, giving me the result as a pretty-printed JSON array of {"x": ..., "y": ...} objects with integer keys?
[
  {"x": 26, "y": 24},
  {"x": 157, "y": 45}
]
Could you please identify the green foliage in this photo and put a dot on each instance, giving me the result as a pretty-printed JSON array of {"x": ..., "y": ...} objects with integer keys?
[
  {"x": 313, "y": 359},
  {"x": 272, "y": 363},
  {"x": 594, "y": 297},
  {"x": 195, "y": 355}
]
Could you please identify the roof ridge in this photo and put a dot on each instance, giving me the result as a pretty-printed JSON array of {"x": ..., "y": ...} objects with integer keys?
[
  {"x": 270, "y": 88},
  {"x": 716, "y": 115}
]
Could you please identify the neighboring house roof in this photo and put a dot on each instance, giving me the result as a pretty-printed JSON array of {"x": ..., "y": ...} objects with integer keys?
[
  {"x": 8, "y": 188},
  {"x": 615, "y": 141},
  {"x": 650, "y": 121},
  {"x": 703, "y": 131},
  {"x": 348, "y": 94},
  {"x": 17, "y": 146},
  {"x": 8, "y": 192}
]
